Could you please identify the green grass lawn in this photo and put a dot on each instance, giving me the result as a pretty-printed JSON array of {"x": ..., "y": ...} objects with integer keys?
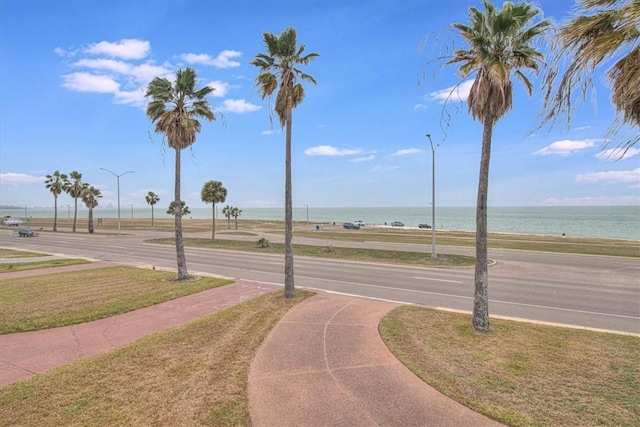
[
  {"x": 195, "y": 374},
  {"x": 60, "y": 299},
  {"x": 521, "y": 374}
]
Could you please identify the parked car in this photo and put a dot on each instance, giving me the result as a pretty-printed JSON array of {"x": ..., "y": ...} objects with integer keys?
[
  {"x": 25, "y": 232},
  {"x": 350, "y": 225},
  {"x": 359, "y": 223},
  {"x": 397, "y": 224},
  {"x": 424, "y": 226},
  {"x": 11, "y": 222}
]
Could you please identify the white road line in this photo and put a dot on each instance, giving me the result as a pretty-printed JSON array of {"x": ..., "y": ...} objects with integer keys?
[{"x": 437, "y": 280}]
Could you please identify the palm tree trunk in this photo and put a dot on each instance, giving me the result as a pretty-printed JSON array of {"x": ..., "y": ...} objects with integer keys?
[
  {"x": 480, "y": 319},
  {"x": 55, "y": 212},
  {"x": 180, "y": 255},
  {"x": 75, "y": 214},
  {"x": 213, "y": 221},
  {"x": 152, "y": 216},
  {"x": 289, "y": 285},
  {"x": 91, "y": 220}
]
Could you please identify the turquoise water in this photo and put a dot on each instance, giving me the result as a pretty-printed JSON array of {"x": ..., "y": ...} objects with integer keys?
[{"x": 621, "y": 222}]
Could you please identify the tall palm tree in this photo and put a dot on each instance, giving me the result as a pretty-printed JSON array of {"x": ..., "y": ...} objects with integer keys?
[
  {"x": 226, "y": 211},
  {"x": 278, "y": 70},
  {"x": 175, "y": 109},
  {"x": 90, "y": 197},
  {"x": 57, "y": 184},
  {"x": 235, "y": 212},
  {"x": 499, "y": 45},
  {"x": 602, "y": 30},
  {"x": 152, "y": 198},
  {"x": 213, "y": 192},
  {"x": 75, "y": 187}
]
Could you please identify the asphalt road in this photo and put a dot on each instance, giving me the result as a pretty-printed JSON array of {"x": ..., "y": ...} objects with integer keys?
[{"x": 580, "y": 290}]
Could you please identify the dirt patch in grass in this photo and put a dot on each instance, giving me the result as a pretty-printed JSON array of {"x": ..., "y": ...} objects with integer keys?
[
  {"x": 61, "y": 299},
  {"x": 192, "y": 375},
  {"x": 521, "y": 374}
]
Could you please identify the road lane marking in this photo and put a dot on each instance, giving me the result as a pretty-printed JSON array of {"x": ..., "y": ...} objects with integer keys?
[{"x": 437, "y": 280}]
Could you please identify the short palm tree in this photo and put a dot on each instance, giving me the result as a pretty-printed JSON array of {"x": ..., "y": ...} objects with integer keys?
[
  {"x": 75, "y": 187},
  {"x": 184, "y": 209},
  {"x": 213, "y": 192},
  {"x": 499, "y": 46},
  {"x": 235, "y": 213},
  {"x": 57, "y": 184},
  {"x": 90, "y": 197},
  {"x": 175, "y": 109},
  {"x": 152, "y": 198},
  {"x": 278, "y": 70},
  {"x": 226, "y": 211},
  {"x": 602, "y": 30}
]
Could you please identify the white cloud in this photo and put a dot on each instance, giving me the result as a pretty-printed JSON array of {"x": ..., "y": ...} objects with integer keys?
[
  {"x": 592, "y": 201},
  {"x": 133, "y": 97},
  {"x": 363, "y": 159},
  {"x": 566, "y": 147},
  {"x": 64, "y": 53},
  {"x": 611, "y": 177},
  {"x": 453, "y": 93},
  {"x": 239, "y": 106},
  {"x": 219, "y": 88},
  {"x": 327, "y": 150},
  {"x": 268, "y": 132},
  {"x": 125, "y": 49},
  {"x": 19, "y": 178},
  {"x": 618, "y": 153},
  {"x": 406, "y": 152},
  {"x": 223, "y": 60},
  {"x": 87, "y": 82},
  {"x": 420, "y": 107}
]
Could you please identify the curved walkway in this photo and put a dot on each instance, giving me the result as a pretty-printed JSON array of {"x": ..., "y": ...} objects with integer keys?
[{"x": 324, "y": 364}]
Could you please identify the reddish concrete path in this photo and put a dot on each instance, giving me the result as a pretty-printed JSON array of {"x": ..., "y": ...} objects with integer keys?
[
  {"x": 29, "y": 353},
  {"x": 324, "y": 364}
]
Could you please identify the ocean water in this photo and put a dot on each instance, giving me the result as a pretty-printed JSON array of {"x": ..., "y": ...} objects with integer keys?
[{"x": 620, "y": 222}]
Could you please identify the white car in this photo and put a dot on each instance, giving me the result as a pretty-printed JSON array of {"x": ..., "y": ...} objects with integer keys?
[
  {"x": 359, "y": 223},
  {"x": 11, "y": 222}
]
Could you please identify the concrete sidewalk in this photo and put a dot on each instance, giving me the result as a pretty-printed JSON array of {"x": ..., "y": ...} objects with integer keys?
[{"x": 324, "y": 364}]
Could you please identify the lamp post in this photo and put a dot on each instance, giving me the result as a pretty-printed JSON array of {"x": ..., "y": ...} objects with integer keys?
[
  {"x": 307, "y": 206},
  {"x": 434, "y": 255},
  {"x": 118, "y": 185},
  {"x": 131, "y": 211}
]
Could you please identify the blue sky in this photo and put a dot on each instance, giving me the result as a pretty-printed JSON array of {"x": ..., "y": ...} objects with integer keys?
[{"x": 73, "y": 74}]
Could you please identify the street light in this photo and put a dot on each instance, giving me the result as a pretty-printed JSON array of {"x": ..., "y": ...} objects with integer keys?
[
  {"x": 434, "y": 255},
  {"x": 118, "y": 184},
  {"x": 307, "y": 215},
  {"x": 131, "y": 211}
]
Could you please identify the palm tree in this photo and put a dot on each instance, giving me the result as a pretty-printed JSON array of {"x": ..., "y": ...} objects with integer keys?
[
  {"x": 499, "y": 44},
  {"x": 602, "y": 30},
  {"x": 152, "y": 198},
  {"x": 57, "y": 184},
  {"x": 75, "y": 187},
  {"x": 226, "y": 211},
  {"x": 184, "y": 209},
  {"x": 235, "y": 212},
  {"x": 278, "y": 69},
  {"x": 175, "y": 109},
  {"x": 213, "y": 192},
  {"x": 90, "y": 197}
]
